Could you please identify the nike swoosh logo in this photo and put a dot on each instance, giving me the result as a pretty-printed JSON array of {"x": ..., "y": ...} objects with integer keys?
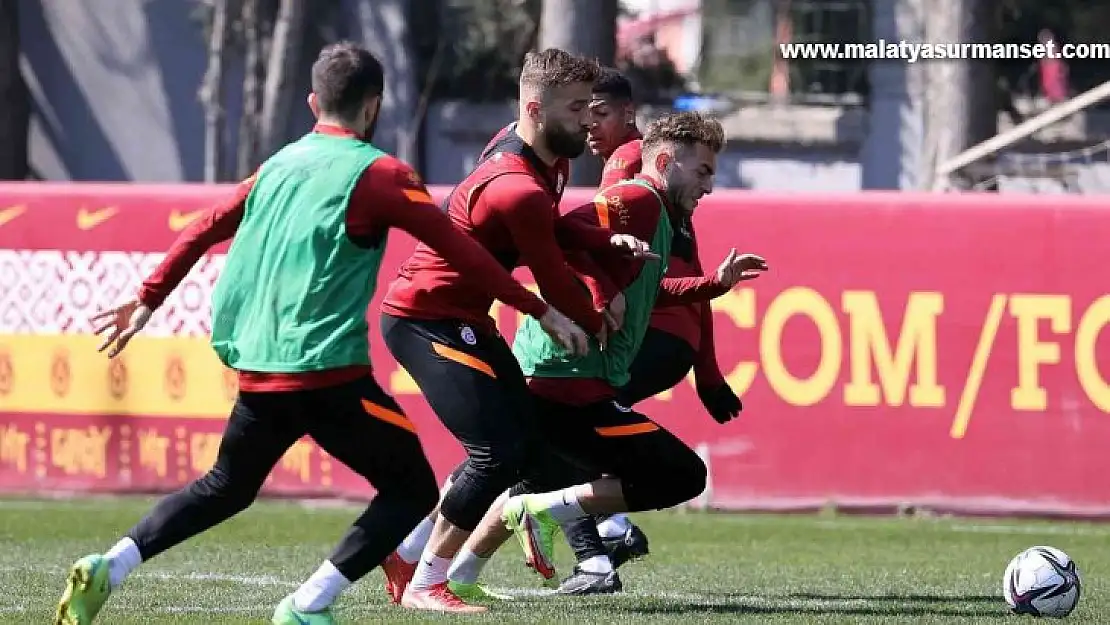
[
  {"x": 89, "y": 219},
  {"x": 179, "y": 220},
  {"x": 300, "y": 620},
  {"x": 11, "y": 213}
]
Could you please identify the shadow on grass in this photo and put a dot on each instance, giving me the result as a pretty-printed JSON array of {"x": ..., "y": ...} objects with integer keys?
[{"x": 811, "y": 603}]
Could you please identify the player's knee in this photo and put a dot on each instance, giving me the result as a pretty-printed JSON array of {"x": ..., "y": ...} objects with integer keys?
[
  {"x": 233, "y": 495},
  {"x": 690, "y": 478},
  {"x": 685, "y": 478}
]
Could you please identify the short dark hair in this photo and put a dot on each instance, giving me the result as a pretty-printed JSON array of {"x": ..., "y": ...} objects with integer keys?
[
  {"x": 343, "y": 76},
  {"x": 686, "y": 128},
  {"x": 555, "y": 68},
  {"x": 613, "y": 84}
]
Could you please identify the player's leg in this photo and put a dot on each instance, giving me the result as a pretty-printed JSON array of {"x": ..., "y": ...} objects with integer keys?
[
  {"x": 259, "y": 431},
  {"x": 474, "y": 385},
  {"x": 662, "y": 362},
  {"x": 408, "y": 552},
  {"x": 647, "y": 468},
  {"x": 546, "y": 470},
  {"x": 362, "y": 427}
]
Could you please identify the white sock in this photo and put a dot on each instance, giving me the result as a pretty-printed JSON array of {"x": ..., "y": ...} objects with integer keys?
[
  {"x": 562, "y": 505},
  {"x": 123, "y": 558},
  {"x": 431, "y": 571},
  {"x": 596, "y": 564},
  {"x": 320, "y": 590},
  {"x": 413, "y": 544},
  {"x": 615, "y": 526},
  {"x": 466, "y": 567}
]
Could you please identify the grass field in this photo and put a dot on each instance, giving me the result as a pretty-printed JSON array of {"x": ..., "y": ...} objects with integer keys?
[{"x": 704, "y": 568}]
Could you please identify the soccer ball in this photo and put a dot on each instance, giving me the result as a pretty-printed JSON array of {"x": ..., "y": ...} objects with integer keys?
[{"x": 1042, "y": 581}]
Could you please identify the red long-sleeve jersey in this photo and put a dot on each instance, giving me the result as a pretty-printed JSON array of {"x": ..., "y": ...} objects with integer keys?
[
  {"x": 692, "y": 323},
  {"x": 634, "y": 210},
  {"x": 509, "y": 205},
  {"x": 387, "y": 195}
]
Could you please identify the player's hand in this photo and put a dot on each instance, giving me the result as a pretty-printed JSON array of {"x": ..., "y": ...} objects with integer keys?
[
  {"x": 739, "y": 267},
  {"x": 614, "y": 313},
  {"x": 565, "y": 332},
  {"x": 124, "y": 321},
  {"x": 631, "y": 245},
  {"x": 723, "y": 405}
]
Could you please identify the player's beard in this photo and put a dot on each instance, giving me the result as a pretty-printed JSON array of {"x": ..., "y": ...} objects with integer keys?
[{"x": 562, "y": 143}]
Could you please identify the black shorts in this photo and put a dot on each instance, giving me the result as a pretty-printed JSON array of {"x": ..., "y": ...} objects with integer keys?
[
  {"x": 662, "y": 362},
  {"x": 656, "y": 469},
  {"x": 472, "y": 382}
]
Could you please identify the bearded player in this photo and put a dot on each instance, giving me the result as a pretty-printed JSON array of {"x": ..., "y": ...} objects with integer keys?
[
  {"x": 679, "y": 338},
  {"x": 437, "y": 325},
  {"x": 582, "y": 390},
  {"x": 289, "y": 315},
  {"x": 581, "y": 399}
]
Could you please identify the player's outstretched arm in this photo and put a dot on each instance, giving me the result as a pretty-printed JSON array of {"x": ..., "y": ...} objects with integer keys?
[
  {"x": 527, "y": 214},
  {"x": 216, "y": 225},
  {"x": 734, "y": 269},
  {"x": 581, "y": 229},
  {"x": 402, "y": 201}
]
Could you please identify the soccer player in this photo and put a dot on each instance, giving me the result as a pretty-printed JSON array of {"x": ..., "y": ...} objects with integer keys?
[
  {"x": 678, "y": 339},
  {"x": 644, "y": 466},
  {"x": 289, "y": 315},
  {"x": 629, "y": 207},
  {"x": 614, "y": 136},
  {"x": 437, "y": 325}
]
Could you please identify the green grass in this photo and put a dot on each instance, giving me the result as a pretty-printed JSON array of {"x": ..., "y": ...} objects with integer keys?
[{"x": 704, "y": 568}]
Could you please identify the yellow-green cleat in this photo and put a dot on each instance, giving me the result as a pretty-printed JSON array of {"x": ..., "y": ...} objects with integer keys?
[
  {"x": 86, "y": 591},
  {"x": 287, "y": 614},
  {"x": 535, "y": 530},
  {"x": 476, "y": 592}
]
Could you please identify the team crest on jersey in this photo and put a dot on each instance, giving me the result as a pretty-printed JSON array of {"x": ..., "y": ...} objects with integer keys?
[
  {"x": 467, "y": 335},
  {"x": 616, "y": 163}
]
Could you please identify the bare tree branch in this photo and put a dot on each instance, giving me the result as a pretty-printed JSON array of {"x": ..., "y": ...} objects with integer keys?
[
  {"x": 277, "y": 96},
  {"x": 247, "y": 158},
  {"x": 212, "y": 91}
]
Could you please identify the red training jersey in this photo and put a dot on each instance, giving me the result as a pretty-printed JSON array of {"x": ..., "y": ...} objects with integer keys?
[
  {"x": 509, "y": 204},
  {"x": 633, "y": 210},
  {"x": 692, "y": 323}
]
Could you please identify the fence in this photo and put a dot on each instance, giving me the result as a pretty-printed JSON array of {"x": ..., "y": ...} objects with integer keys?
[{"x": 933, "y": 350}]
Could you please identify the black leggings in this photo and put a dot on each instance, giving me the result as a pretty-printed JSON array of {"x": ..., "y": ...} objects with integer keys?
[
  {"x": 474, "y": 385},
  {"x": 356, "y": 423}
]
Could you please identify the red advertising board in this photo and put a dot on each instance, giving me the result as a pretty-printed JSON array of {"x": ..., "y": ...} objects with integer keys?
[{"x": 935, "y": 350}]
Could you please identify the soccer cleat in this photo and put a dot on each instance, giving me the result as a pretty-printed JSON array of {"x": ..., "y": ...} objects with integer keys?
[
  {"x": 633, "y": 545},
  {"x": 398, "y": 574},
  {"x": 535, "y": 531},
  {"x": 475, "y": 592},
  {"x": 86, "y": 591},
  {"x": 438, "y": 598},
  {"x": 287, "y": 614},
  {"x": 586, "y": 583}
]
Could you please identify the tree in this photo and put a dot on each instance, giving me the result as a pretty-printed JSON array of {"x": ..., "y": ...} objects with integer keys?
[
  {"x": 212, "y": 90},
  {"x": 587, "y": 27},
  {"x": 14, "y": 98}
]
